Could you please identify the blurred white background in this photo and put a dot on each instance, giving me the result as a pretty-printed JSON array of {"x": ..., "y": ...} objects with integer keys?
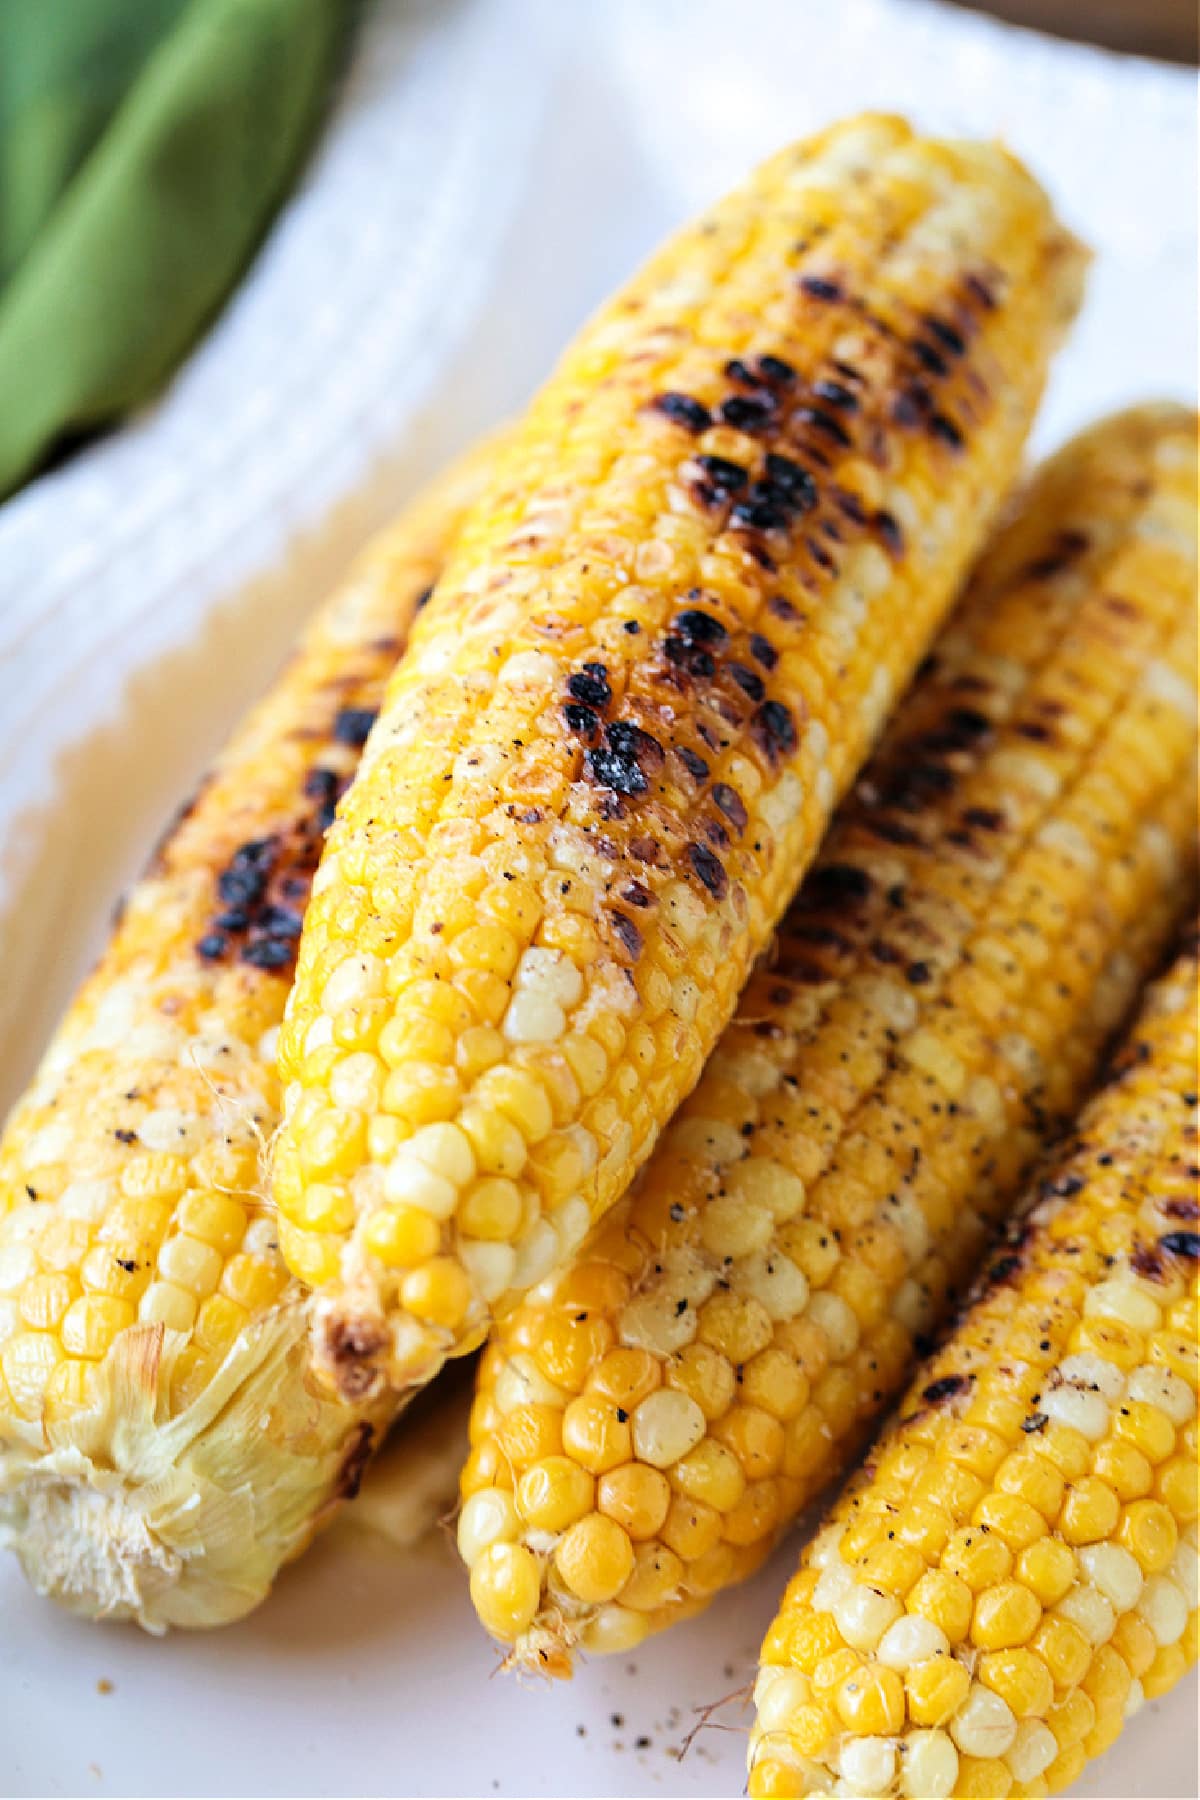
[{"x": 493, "y": 167}]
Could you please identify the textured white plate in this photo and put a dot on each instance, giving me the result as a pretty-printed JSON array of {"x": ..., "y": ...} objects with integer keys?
[{"x": 494, "y": 167}]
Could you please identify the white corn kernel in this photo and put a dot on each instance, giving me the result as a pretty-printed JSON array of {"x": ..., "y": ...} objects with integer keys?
[
  {"x": 571, "y": 1222},
  {"x": 666, "y": 1425},
  {"x": 355, "y": 1083},
  {"x": 445, "y": 1149},
  {"x": 911, "y": 1640},
  {"x": 1135, "y": 1699},
  {"x": 1087, "y": 1607},
  {"x": 1120, "y": 1299},
  {"x": 730, "y": 1226},
  {"x": 537, "y": 1253},
  {"x": 169, "y": 1129},
  {"x": 1083, "y": 1412},
  {"x": 868, "y": 1765},
  {"x": 407, "y": 1182},
  {"x": 613, "y": 1628},
  {"x": 488, "y": 1517},
  {"x": 831, "y": 1315},
  {"x": 534, "y": 1018},
  {"x": 16, "y": 1266},
  {"x": 1034, "y": 1749},
  {"x": 1159, "y": 1387},
  {"x": 1185, "y": 1572},
  {"x": 356, "y": 979},
  {"x": 863, "y": 1614},
  {"x": 87, "y": 1199},
  {"x": 984, "y": 1724},
  {"x": 929, "y": 1765},
  {"x": 489, "y": 1267},
  {"x": 1114, "y": 1573},
  {"x": 1164, "y": 1609},
  {"x": 777, "y": 1694},
  {"x": 835, "y": 1582},
  {"x": 774, "y": 1280},
  {"x": 1088, "y": 1371}
]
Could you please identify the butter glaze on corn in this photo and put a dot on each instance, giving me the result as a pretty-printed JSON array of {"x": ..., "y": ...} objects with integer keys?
[
  {"x": 713, "y": 555},
  {"x": 162, "y": 1447},
  {"x": 1014, "y": 1571},
  {"x": 1005, "y": 874}
]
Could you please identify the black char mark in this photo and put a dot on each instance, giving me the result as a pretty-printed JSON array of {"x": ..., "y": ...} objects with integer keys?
[
  {"x": 626, "y": 760},
  {"x": 710, "y": 869},
  {"x": 682, "y": 410}
]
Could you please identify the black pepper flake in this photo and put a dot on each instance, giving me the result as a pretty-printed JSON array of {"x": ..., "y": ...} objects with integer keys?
[
  {"x": 632, "y": 627},
  {"x": 128, "y": 1263},
  {"x": 682, "y": 410},
  {"x": 590, "y": 685},
  {"x": 1035, "y": 1421},
  {"x": 125, "y": 1137},
  {"x": 622, "y": 1416},
  {"x": 423, "y": 599},
  {"x": 677, "y": 1213},
  {"x": 353, "y": 725}
]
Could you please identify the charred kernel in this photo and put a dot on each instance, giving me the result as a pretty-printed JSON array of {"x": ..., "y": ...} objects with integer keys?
[
  {"x": 793, "y": 480},
  {"x": 682, "y": 410},
  {"x": 684, "y": 655},
  {"x": 835, "y": 882},
  {"x": 775, "y": 370},
  {"x": 737, "y": 370},
  {"x": 818, "y": 287},
  {"x": 836, "y": 393},
  {"x": 731, "y": 804},
  {"x": 949, "y": 1385},
  {"x": 626, "y": 933},
  {"x": 637, "y": 895},
  {"x": 590, "y": 685},
  {"x": 322, "y": 784},
  {"x": 422, "y": 600},
  {"x": 280, "y": 921},
  {"x": 697, "y": 627},
  {"x": 919, "y": 973},
  {"x": 946, "y": 430},
  {"x": 582, "y": 721},
  {"x": 353, "y": 725},
  {"x": 888, "y": 527},
  {"x": 747, "y": 680},
  {"x": 1181, "y": 1243},
  {"x": 745, "y": 412},
  {"x": 710, "y": 869},
  {"x": 212, "y": 946},
  {"x": 929, "y": 358},
  {"x": 763, "y": 653},
  {"x": 722, "y": 474},
  {"x": 826, "y": 423},
  {"x": 774, "y": 729},
  {"x": 695, "y": 765},
  {"x": 268, "y": 952},
  {"x": 236, "y": 919},
  {"x": 946, "y": 335},
  {"x": 758, "y": 514},
  {"x": 241, "y": 887}
]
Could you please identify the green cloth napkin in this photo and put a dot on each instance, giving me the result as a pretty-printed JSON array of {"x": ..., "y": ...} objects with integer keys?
[{"x": 144, "y": 147}]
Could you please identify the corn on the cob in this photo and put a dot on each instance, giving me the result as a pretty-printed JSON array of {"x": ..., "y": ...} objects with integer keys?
[
  {"x": 162, "y": 1447},
  {"x": 1015, "y": 1569},
  {"x": 1005, "y": 874},
  {"x": 718, "y": 546}
]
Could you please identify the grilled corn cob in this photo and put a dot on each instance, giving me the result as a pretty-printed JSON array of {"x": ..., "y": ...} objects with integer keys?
[
  {"x": 1015, "y": 1569},
  {"x": 162, "y": 1448},
  {"x": 716, "y": 549},
  {"x": 1004, "y": 875}
]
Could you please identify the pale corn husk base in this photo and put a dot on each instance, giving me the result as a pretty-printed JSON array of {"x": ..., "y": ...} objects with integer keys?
[{"x": 127, "y": 1513}]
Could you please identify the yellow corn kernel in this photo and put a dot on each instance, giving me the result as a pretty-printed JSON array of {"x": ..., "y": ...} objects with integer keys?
[
  {"x": 90, "y": 1324},
  {"x": 936, "y": 1689},
  {"x": 983, "y": 1778},
  {"x": 505, "y": 1589},
  {"x": 595, "y": 1558},
  {"x": 710, "y": 1473},
  {"x": 553, "y": 1493},
  {"x": 595, "y": 1434},
  {"x": 1064, "y": 1649},
  {"x": 637, "y": 1497},
  {"x": 977, "y": 1558},
  {"x": 44, "y": 1301},
  {"x": 1022, "y": 1680},
  {"x": 492, "y": 1210},
  {"x": 870, "y": 1701},
  {"x": 690, "y": 1528},
  {"x": 569, "y": 1345},
  {"x": 945, "y": 1600},
  {"x": 1148, "y": 1530},
  {"x": 625, "y": 1376},
  {"x": 1005, "y": 1616},
  {"x": 657, "y": 1578},
  {"x": 402, "y": 1236},
  {"x": 1089, "y": 1513},
  {"x": 438, "y": 1291},
  {"x": 531, "y": 1433},
  {"x": 1047, "y": 1568}
]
